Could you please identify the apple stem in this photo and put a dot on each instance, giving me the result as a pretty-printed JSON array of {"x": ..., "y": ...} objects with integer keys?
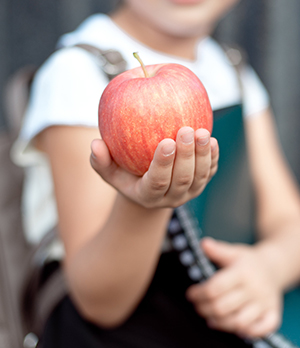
[{"x": 136, "y": 55}]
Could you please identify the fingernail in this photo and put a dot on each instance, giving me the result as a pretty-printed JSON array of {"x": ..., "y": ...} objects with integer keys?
[
  {"x": 213, "y": 147},
  {"x": 202, "y": 141},
  {"x": 168, "y": 149},
  {"x": 187, "y": 138}
]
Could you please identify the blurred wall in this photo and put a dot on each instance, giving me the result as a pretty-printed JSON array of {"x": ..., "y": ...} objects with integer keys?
[
  {"x": 29, "y": 30},
  {"x": 269, "y": 30}
]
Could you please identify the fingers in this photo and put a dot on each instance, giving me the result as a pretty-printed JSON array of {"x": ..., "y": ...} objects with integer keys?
[
  {"x": 178, "y": 172},
  {"x": 222, "y": 282},
  {"x": 184, "y": 166},
  {"x": 195, "y": 162},
  {"x": 104, "y": 165},
  {"x": 156, "y": 181},
  {"x": 238, "y": 298},
  {"x": 220, "y": 252},
  {"x": 206, "y": 160},
  {"x": 250, "y": 321},
  {"x": 237, "y": 322},
  {"x": 266, "y": 324},
  {"x": 175, "y": 176},
  {"x": 222, "y": 306},
  {"x": 100, "y": 158},
  {"x": 214, "y": 157},
  {"x": 203, "y": 160},
  {"x": 233, "y": 312},
  {"x": 147, "y": 191}
]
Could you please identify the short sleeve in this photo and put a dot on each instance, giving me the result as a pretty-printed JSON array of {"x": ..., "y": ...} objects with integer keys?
[
  {"x": 66, "y": 91},
  {"x": 255, "y": 95}
]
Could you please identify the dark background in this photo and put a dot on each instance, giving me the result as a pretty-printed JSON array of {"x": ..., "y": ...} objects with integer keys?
[{"x": 269, "y": 30}]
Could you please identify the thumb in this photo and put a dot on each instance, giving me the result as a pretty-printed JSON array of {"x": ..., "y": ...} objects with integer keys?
[
  {"x": 219, "y": 252},
  {"x": 100, "y": 158}
]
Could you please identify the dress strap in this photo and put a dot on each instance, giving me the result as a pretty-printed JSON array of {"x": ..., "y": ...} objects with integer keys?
[{"x": 238, "y": 58}]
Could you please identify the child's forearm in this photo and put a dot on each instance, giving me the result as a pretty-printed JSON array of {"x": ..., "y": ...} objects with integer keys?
[
  {"x": 281, "y": 251},
  {"x": 109, "y": 276}
]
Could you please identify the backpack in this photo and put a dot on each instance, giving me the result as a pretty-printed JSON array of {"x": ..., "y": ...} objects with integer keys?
[{"x": 31, "y": 283}]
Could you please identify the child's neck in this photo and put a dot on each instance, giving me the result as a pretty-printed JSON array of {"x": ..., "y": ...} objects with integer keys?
[{"x": 182, "y": 47}]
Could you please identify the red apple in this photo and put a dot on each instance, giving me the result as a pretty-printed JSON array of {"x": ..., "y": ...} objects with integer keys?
[{"x": 145, "y": 105}]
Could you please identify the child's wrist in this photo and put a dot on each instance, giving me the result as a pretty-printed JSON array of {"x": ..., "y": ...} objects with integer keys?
[{"x": 273, "y": 258}]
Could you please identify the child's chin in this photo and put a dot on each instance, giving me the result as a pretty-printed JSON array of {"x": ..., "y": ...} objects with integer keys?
[{"x": 186, "y": 2}]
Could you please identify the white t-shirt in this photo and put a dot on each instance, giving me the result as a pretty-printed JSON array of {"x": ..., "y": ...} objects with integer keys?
[{"x": 67, "y": 89}]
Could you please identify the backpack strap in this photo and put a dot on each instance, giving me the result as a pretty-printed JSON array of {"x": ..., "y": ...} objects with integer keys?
[
  {"x": 111, "y": 61},
  {"x": 16, "y": 96},
  {"x": 44, "y": 283}
]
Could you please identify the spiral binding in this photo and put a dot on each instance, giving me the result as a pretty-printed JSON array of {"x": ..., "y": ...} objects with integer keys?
[{"x": 182, "y": 231}]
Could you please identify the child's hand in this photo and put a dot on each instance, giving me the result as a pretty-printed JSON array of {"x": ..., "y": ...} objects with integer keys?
[
  {"x": 243, "y": 297},
  {"x": 179, "y": 171}
]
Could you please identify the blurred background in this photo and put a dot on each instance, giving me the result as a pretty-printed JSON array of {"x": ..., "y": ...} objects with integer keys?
[{"x": 269, "y": 31}]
